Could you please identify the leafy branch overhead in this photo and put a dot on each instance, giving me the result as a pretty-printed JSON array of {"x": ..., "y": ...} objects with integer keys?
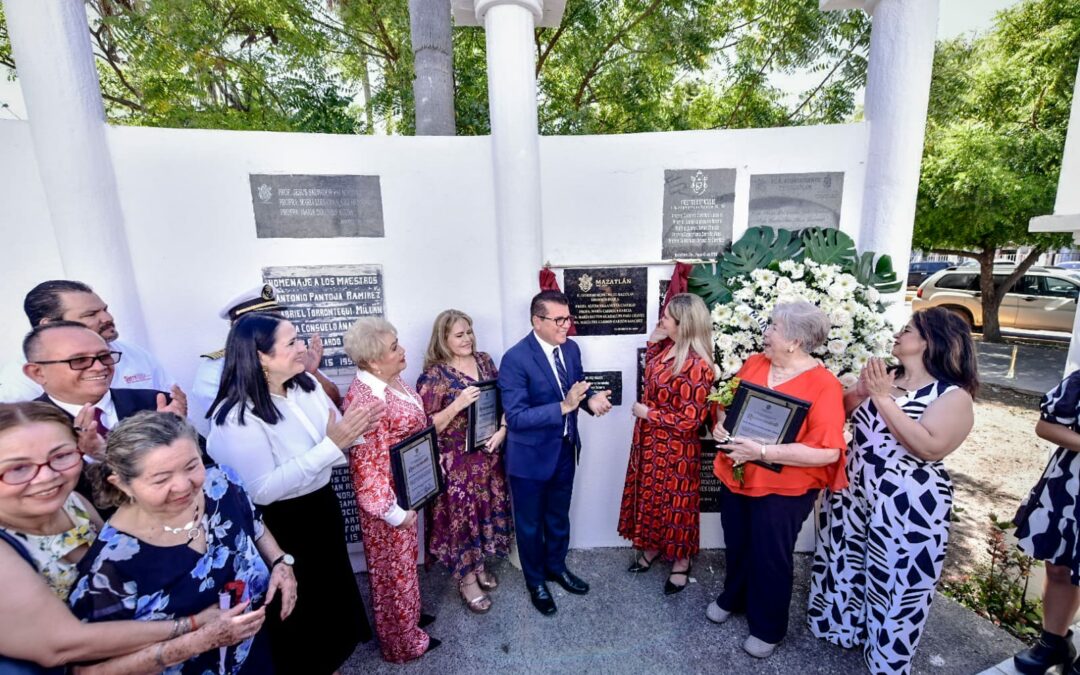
[
  {"x": 346, "y": 66},
  {"x": 766, "y": 248}
]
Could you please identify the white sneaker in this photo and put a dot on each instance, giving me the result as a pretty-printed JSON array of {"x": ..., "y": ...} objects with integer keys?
[
  {"x": 758, "y": 648},
  {"x": 716, "y": 613}
]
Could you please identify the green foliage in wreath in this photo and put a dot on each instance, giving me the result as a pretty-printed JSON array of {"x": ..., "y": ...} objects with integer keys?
[{"x": 760, "y": 247}]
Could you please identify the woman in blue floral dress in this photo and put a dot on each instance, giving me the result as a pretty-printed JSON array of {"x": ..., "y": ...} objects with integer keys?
[{"x": 182, "y": 537}]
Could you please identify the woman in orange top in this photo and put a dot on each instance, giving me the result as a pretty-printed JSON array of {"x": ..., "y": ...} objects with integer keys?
[{"x": 763, "y": 513}]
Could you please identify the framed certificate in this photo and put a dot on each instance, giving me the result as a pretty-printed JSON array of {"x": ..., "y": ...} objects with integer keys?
[
  {"x": 484, "y": 415},
  {"x": 766, "y": 416},
  {"x": 415, "y": 465}
]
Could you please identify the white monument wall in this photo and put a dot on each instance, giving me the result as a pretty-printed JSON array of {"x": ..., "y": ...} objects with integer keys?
[{"x": 188, "y": 215}]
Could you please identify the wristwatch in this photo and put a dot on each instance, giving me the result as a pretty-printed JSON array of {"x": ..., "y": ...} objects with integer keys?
[{"x": 284, "y": 559}]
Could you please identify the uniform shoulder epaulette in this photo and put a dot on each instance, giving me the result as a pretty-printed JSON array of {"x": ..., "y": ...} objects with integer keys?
[{"x": 214, "y": 356}]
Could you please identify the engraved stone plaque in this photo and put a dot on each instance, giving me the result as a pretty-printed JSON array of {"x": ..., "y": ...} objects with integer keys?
[
  {"x": 327, "y": 299},
  {"x": 793, "y": 201},
  {"x": 697, "y": 212},
  {"x": 607, "y": 300},
  {"x": 300, "y": 206}
]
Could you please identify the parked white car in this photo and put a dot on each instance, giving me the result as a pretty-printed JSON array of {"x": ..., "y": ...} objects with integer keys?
[{"x": 1042, "y": 299}]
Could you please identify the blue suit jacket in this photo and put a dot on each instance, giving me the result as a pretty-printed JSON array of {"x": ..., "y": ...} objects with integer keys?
[{"x": 531, "y": 398}]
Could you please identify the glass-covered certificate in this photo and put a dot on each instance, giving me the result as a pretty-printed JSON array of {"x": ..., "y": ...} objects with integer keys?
[
  {"x": 415, "y": 465},
  {"x": 766, "y": 416},
  {"x": 485, "y": 414}
]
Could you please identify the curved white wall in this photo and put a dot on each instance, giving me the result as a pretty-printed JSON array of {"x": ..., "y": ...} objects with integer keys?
[{"x": 188, "y": 215}]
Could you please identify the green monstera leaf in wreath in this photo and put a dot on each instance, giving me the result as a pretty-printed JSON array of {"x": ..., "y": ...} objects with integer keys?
[
  {"x": 829, "y": 246},
  {"x": 757, "y": 249},
  {"x": 707, "y": 285},
  {"x": 880, "y": 276}
]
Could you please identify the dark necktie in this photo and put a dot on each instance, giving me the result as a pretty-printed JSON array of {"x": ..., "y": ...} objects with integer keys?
[
  {"x": 564, "y": 384},
  {"x": 561, "y": 370},
  {"x": 101, "y": 429}
]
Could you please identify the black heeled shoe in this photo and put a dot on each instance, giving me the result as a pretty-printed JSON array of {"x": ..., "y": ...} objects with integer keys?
[
  {"x": 642, "y": 563},
  {"x": 672, "y": 589}
]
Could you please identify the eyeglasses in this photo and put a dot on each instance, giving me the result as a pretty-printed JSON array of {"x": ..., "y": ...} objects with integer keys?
[
  {"x": 20, "y": 474},
  {"x": 85, "y": 362},
  {"x": 559, "y": 321}
]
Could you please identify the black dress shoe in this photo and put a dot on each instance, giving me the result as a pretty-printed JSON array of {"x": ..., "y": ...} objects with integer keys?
[
  {"x": 1051, "y": 650},
  {"x": 570, "y": 582},
  {"x": 542, "y": 600},
  {"x": 425, "y": 620},
  {"x": 432, "y": 644}
]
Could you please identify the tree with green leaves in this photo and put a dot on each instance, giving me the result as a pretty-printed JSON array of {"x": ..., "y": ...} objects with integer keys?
[
  {"x": 347, "y": 66},
  {"x": 999, "y": 111}
]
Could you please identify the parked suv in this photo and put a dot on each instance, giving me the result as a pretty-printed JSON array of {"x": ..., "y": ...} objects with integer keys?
[
  {"x": 918, "y": 272},
  {"x": 1042, "y": 299}
]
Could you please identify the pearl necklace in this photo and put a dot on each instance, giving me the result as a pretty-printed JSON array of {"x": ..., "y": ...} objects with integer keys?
[{"x": 192, "y": 528}]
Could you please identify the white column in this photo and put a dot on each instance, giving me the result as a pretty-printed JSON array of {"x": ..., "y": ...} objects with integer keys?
[
  {"x": 897, "y": 93},
  {"x": 51, "y": 44},
  {"x": 515, "y": 147}
]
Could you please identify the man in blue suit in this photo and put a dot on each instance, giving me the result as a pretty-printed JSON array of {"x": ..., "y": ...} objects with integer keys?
[{"x": 542, "y": 385}]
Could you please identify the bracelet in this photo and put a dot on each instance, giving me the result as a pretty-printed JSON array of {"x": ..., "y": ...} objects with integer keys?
[
  {"x": 159, "y": 657},
  {"x": 175, "y": 629},
  {"x": 763, "y": 452},
  {"x": 194, "y": 623}
]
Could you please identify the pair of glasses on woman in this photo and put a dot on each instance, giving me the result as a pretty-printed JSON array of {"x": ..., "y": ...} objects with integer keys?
[
  {"x": 85, "y": 362},
  {"x": 24, "y": 472}
]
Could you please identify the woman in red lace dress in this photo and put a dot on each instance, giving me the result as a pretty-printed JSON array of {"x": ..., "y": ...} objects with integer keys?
[
  {"x": 659, "y": 513},
  {"x": 390, "y": 542}
]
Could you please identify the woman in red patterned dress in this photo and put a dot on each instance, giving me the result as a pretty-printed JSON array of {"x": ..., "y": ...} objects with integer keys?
[
  {"x": 390, "y": 542},
  {"x": 659, "y": 513}
]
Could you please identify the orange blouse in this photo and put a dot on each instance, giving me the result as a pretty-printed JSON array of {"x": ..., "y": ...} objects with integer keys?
[{"x": 822, "y": 428}]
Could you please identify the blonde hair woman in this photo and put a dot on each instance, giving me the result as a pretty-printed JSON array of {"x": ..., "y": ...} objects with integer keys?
[
  {"x": 471, "y": 519},
  {"x": 659, "y": 513}
]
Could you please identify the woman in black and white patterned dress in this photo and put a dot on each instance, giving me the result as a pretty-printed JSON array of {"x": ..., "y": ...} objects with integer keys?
[
  {"x": 1047, "y": 529},
  {"x": 882, "y": 540}
]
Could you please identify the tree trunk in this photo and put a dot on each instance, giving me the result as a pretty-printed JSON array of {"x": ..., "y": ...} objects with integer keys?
[
  {"x": 991, "y": 299},
  {"x": 433, "y": 58},
  {"x": 993, "y": 294}
]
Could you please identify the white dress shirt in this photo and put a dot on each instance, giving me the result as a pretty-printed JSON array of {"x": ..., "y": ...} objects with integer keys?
[
  {"x": 289, "y": 459},
  {"x": 137, "y": 369},
  {"x": 549, "y": 352},
  {"x": 108, "y": 409}
]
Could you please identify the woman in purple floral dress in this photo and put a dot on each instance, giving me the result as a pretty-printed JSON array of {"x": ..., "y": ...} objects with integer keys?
[{"x": 471, "y": 519}]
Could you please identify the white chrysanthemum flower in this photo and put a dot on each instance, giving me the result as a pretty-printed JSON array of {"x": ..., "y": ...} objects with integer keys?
[
  {"x": 872, "y": 294},
  {"x": 744, "y": 294},
  {"x": 848, "y": 380},
  {"x": 730, "y": 365},
  {"x": 763, "y": 278}
]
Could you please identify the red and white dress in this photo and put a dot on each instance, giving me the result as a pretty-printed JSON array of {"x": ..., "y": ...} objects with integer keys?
[{"x": 391, "y": 553}]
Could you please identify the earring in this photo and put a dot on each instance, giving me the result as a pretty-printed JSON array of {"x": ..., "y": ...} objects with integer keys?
[
  {"x": 266, "y": 373},
  {"x": 790, "y": 350}
]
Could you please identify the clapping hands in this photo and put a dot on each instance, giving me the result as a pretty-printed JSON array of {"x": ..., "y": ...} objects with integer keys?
[{"x": 356, "y": 421}]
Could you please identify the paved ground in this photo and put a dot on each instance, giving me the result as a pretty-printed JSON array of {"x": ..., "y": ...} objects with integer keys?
[
  {"x": 1026, "y": 367},
  {"x": 626, "y": 625}
]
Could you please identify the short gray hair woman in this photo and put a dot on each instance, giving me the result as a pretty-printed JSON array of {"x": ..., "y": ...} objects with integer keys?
[
  {"x": 762, "y": 511},
  {"x": 389, "y": 531}
]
